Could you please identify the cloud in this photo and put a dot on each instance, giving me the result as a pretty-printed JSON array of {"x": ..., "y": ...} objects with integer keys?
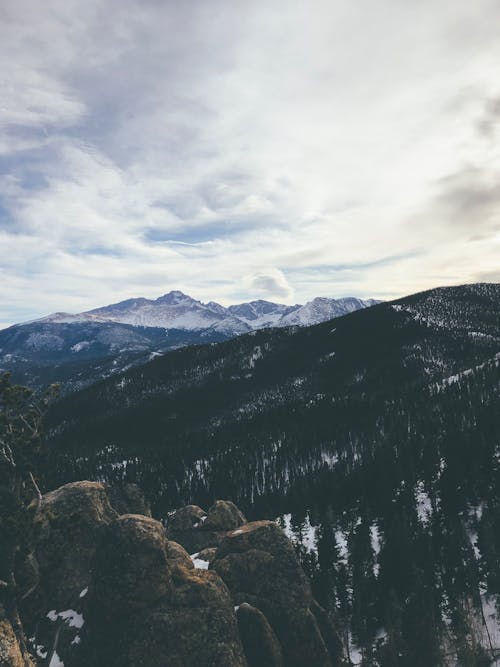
[
  {"x": 488, "y": 276},
  {"x": 470, "y": 199},
  {"x": 489, "y": 121},
  {"x": 236, "y": 150},
  {"x": 271, "y": 284}
]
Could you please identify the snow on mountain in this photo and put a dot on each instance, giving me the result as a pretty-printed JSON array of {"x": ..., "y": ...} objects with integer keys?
[
  {"x": 321, "y": 309},
  {"x": 177, "y": 310},
  {"x": 260, "y": 314},
  {"x": 233, "y": 326},
  {"x": 174, "y": 310}
]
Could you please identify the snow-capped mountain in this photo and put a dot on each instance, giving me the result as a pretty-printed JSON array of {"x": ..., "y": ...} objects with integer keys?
[
  {"x": 177, "y": 310},
  {"x": 78, "y": 349},
  {"x": 322, "y": 309}
]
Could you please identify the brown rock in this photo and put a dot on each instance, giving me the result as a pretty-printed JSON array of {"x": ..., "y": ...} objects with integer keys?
[
  {"x": 258, "y": 560},
  {"x": 177, "y": 555},
  {"x": 259, "y": 566},
  {"x": 68, "y": 527},
  {"x": 132, "y": 568},
  {"x": 222, "y": 516},
  {"x": 127, "y": 498},
  {"x": 149, "y": 607},
  {"x": 261, "y": 646},
  {"x": 185, "y": 518},
  {"x": 196, "y": 529},
  {"x": 184, "y": 527},
  {"x": 69, "y": 524},
  {"x": 195, "y": 626}
]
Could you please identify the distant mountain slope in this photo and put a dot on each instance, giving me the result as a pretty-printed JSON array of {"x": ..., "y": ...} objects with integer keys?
[
  {"x": 78, "y": 349},
  {"x": 376, "y": 435},
  {"x": 76, "y": 355}
]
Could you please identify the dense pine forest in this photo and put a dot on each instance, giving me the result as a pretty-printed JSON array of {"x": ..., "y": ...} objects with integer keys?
[{"x": 375, "y": 438}]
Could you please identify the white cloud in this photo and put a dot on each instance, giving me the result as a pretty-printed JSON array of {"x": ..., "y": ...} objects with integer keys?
[
  {"x": 270, "y": 284},
  {"x": 245, "y": 149}
]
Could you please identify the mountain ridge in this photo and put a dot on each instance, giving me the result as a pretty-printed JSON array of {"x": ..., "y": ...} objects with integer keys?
[{"x": 181, "y": 311}]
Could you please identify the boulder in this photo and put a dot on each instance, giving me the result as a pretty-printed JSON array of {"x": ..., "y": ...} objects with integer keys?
[
  {"x": 195, "y": 626},
  {"x": 132, "y": 569},
  {"x": 183, "y": 527},
  {"x": 148, "y": 605},
  {"x": 196, "y": 529},
  {"x": 261, "y": 646},
  {"x": 223, "y": 516},
  {"x": 257, "y": 561},
  {"x": 128, "y": 498},
  {"x": 259, "y": 566},
  {"x": 177, "y": 555},
  {"x": 69, "y": 525},
  {"x": 207, "y": 554},
  {"x": 185, "y": 519}
]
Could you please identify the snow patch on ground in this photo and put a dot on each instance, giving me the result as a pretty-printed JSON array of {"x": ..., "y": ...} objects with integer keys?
[
  {"x": 56, "y": 661},
  {"x": 78, "y": 347},
  {"x": 376, "y": 546},
  {"x": 329, "y": 459},
  {"x": 423, "y": 503},
  {"x": 69, "y": 616},
  {"x": 355, "y": 655},
  {"x": 255, "y": 356},
  {"x": 342, "y": 545},
  {"x": 199, "y": 563}
]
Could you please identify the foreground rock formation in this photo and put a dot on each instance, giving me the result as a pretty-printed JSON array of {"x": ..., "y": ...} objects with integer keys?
[
  {"x": 120, "y": 590},
  {"x": 179, "y": 615}
]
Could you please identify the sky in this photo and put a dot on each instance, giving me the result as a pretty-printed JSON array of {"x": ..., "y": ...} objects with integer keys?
[{"x": 276, "y": 149}]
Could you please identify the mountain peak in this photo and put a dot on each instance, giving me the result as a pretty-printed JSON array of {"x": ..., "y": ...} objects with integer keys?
[{"x": 175, "y": 297}]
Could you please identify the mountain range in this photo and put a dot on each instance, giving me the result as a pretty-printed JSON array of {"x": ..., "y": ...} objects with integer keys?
[
  {"x": 78, "y": 349},
  {"x": 177, "y": 310}
]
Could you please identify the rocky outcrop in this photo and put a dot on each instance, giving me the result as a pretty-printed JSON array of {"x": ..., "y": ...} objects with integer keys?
[
  {"x": 120, "y": 591},
  {"x": 147, "y": 605},
  {"x": 196, "y": 529},
  {"x": 259, "y": 566},
  {"x": 268, "y": 586}
]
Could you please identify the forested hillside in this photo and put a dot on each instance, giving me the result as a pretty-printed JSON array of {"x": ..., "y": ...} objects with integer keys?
[{"x": 376, "y": 437}]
